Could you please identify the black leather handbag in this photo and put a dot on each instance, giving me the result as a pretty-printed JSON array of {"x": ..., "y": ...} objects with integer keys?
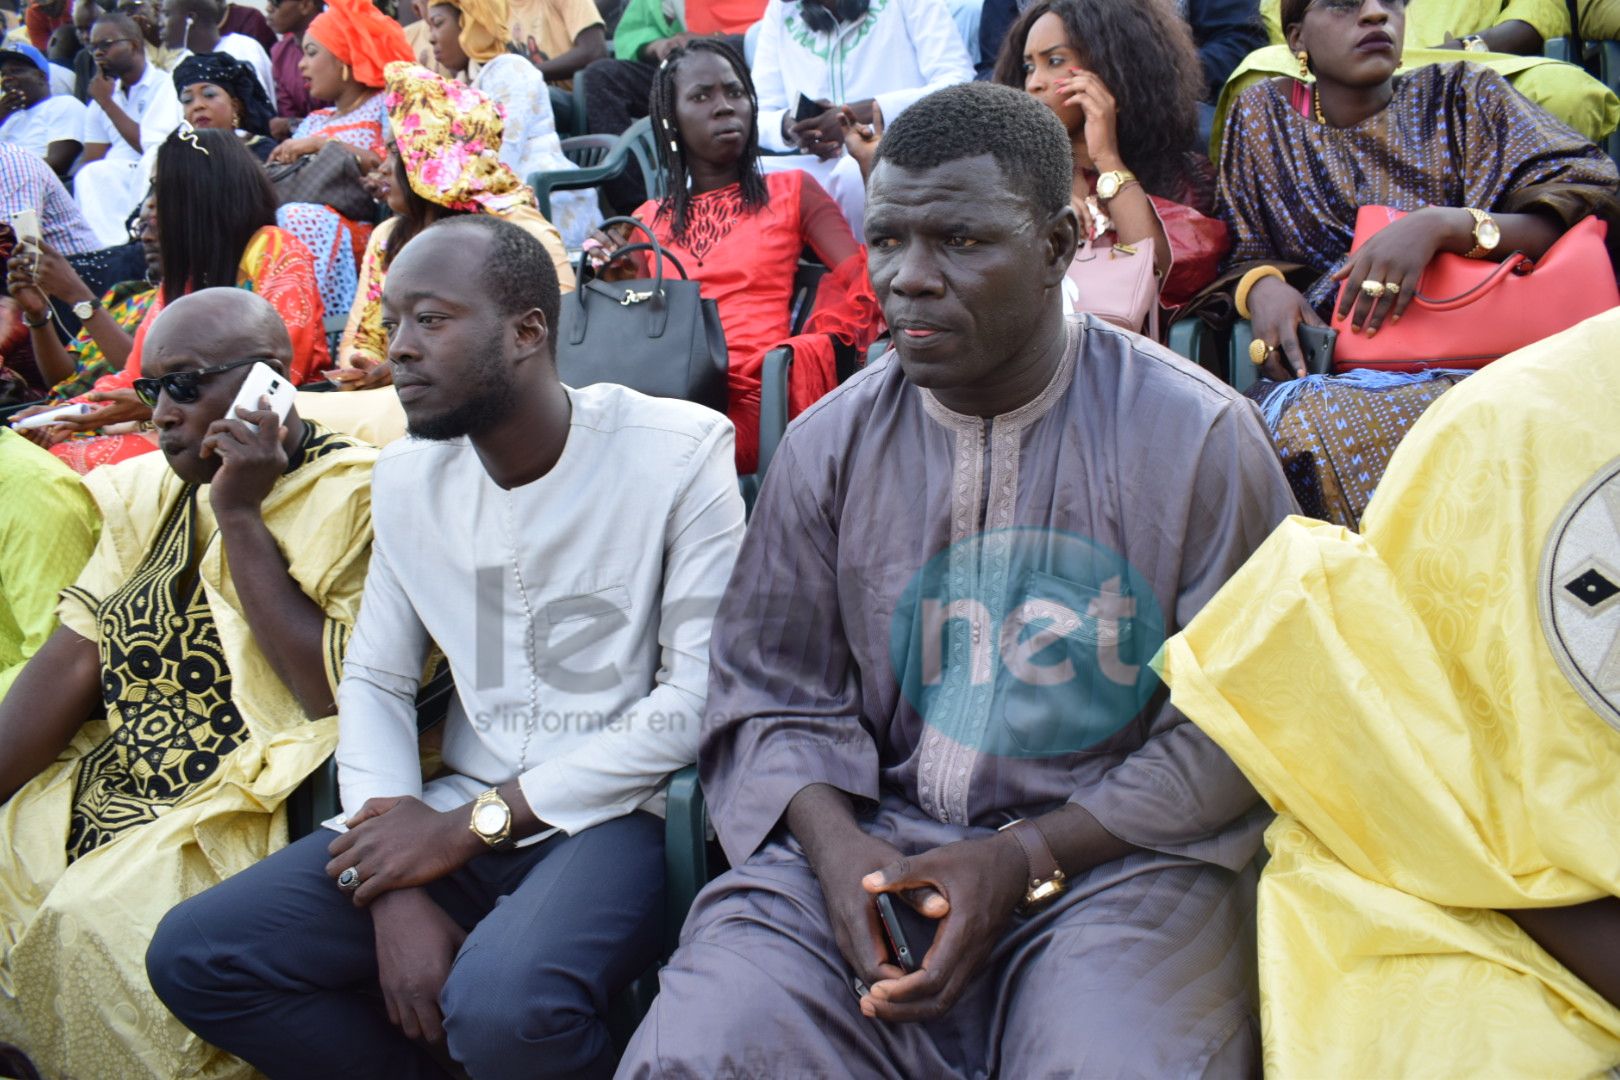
[{"x": 657, "y": 336}]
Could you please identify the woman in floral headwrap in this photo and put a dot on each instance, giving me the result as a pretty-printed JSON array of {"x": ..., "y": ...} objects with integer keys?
[
  {"x": 346, "y": 48},
  {"x": 469, "y": 39},
  {"x": 446, "y": 161}
]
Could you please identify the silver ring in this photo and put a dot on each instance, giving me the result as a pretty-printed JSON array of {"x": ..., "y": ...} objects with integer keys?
[{"x": 349, "y": 879}]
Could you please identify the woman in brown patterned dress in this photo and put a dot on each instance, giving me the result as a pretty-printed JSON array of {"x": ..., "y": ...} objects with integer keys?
[{"x": 1300, "y": 159}]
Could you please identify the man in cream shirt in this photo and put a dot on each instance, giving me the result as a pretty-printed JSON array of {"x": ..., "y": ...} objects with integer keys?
[{"x": 566, "y": 549}]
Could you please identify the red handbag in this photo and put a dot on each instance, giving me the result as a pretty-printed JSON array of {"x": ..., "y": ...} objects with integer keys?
[{"x": 1468, "y": 312}]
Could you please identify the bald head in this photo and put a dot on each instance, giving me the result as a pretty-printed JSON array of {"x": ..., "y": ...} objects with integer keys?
[{"x": 215, "y": 326}]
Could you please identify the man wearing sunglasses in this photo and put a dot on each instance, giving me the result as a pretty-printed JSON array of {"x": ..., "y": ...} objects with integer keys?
[{"x": 208, "y": 629}]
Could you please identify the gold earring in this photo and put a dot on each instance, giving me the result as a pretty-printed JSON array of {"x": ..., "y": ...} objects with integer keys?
[
  {"x": 346, "y": 73},
  {"x": 1304, "y": 64}
]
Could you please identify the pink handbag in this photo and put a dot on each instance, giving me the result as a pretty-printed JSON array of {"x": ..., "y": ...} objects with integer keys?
[
  {"x": 1468, "y": 312},
  {"x": 1116, "y": 283}
]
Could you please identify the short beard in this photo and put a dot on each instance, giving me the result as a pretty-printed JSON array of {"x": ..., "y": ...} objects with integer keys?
[{"x": 490, "y": 399}]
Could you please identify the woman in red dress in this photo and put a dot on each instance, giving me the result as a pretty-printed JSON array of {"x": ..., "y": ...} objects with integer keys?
[{"x": 739, "y": 234}]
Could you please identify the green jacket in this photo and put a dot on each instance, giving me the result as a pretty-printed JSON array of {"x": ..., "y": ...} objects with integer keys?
[{"x": 642, "y": 23}]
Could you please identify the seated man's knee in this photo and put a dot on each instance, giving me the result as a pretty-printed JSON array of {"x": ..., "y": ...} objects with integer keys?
[
  {"x": 179, "y": 963},
  {"x": 504, "y": 1014}
]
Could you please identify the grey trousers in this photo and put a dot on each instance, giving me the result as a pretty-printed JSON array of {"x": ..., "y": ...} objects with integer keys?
[
  {"x": 1145, "y": 967},
  {"x": 278, "y": 967}
]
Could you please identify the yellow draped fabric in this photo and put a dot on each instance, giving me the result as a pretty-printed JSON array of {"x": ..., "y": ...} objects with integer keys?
[
  {"x": 48, "y": 527},
  {"x": 1433, "y": 710},
  {"x": 73, "y": 987},
  {"x": 1430, "y": 22}
]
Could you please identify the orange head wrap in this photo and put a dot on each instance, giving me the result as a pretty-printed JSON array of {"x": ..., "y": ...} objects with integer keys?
[{"x": 362, "y": 38}]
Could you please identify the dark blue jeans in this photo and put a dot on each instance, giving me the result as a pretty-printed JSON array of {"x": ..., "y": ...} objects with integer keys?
[{"x": 278, "y": 967}]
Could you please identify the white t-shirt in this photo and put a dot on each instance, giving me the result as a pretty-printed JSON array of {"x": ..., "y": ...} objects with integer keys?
[
  {"x": 55, "y": 118},
  {"x": 134, "y": 101},
  {"x": 900, "y": 51},
  {"x": 62, "y": 80}
]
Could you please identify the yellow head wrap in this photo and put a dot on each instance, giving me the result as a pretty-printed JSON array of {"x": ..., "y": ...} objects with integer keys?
[{"x": 483, "y": 27}]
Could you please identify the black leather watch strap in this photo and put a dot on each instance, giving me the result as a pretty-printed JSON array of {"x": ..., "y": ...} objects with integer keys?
[{"x": 1043, "y": 865}]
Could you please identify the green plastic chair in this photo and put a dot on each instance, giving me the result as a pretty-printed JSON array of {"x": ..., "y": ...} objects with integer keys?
[{"x": 634, "y": 146}]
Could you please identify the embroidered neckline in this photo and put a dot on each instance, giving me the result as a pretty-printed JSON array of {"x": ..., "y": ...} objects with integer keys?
[{"x": 1031, "y": 410}]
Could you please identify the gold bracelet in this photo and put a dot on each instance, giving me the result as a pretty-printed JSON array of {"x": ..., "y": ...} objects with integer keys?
[{"x": 1247, "y": 283}]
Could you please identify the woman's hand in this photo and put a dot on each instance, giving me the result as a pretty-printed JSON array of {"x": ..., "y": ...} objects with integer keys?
[
  {"x": 363, "y": 373},
  {"x": 23, "y": 284},
  {"x": 1080, "y": 199},
  {"x": 1395, "y": 255},
  {"x": 601, "y": 245},
  {"x": 1276, "y": 310},
  {"x": 1087, "y": 92},
  {"x": 379, "y": 181},
  {"x": 58, "y": 278},
  {"x": 293, "y": 149},
  {"x": 122, "y": 407},
  {"x": 368, "y": 161}
]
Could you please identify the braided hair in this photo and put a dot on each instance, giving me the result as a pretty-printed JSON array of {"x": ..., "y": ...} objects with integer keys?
[{"x": 672, "y": 148}]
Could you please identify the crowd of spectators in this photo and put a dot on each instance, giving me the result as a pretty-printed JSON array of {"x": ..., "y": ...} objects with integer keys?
[{"x": 1152, "y": 611}]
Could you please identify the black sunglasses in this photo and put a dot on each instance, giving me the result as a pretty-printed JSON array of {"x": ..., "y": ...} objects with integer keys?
[{"x": 181, "y": 386}]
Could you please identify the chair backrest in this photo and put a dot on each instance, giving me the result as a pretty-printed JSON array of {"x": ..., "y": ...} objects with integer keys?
[
  {"x": 639, "y": 136},
  {"x": 587, "y": 151},
  {"x": 806, "y": 283}
]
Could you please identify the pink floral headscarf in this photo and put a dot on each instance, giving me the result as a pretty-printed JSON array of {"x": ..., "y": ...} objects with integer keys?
[{"x": 449, "y": 137}]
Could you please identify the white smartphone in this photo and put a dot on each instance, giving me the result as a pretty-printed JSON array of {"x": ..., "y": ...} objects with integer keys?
[
  {"x": 51, "y": 416},
  {"x": 263, "y": 381},
  {"x": 25, "y": 223}
]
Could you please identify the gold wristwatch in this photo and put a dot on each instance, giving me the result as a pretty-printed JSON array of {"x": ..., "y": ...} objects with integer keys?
[
  {"x": 1046, "y": 880},
  {"x": 1110, "y": 184},
  {"x": 1487, "y": 234},
  {"x": 1475, "y": 43},
  {"x": 491, "y": 819}
]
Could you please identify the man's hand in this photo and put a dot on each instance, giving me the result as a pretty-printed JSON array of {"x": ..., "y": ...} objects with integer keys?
[
  {"x": 861, "y": 140},
  {"x": 401, "y": 843},
  {"x": 251, "y": 460},
  {"x": 12, "y": 100},
  {"x": 853, "y": 910},
  {"x": 841, "y": 853},
  {"x": 821, "y": 135},
  {"x": 981, "y": 882},
  {"x": 101, "y": 88},
  {"x": 416, "y": 945},
  {"x": 281, "y": 128},
  {"x": 656, "y": 51}
]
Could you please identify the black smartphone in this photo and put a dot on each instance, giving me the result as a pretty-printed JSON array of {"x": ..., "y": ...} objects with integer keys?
[
  {"x": 899, "y": 944},
  {"x": 807, "y": 109},
  {"x": 1317, "y": 343}
]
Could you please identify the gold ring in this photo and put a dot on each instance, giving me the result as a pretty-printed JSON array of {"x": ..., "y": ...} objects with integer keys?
[
  {"x": 1258, "y": 351},
  {"x": 1393, "y": 288},
  {"x": 1374, "y": 289}
]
